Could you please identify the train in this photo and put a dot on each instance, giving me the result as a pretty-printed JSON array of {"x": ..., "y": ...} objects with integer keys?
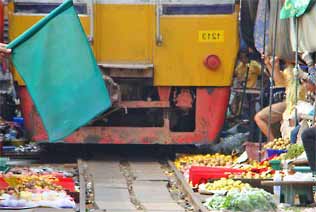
[{"x": 169, "y": 65}]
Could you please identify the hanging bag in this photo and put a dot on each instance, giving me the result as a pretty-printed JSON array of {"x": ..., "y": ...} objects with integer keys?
[
  {"x": 306, "y": 31},
  {"x": 283, "y": 48}
]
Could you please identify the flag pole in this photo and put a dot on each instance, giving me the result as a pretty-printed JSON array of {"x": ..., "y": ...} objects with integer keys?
[{"x": 273, "y": 67}]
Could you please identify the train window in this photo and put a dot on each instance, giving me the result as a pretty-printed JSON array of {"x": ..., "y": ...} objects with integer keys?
[
  {"x": 43, "y": 7},
  {"x": 197, "y": 7}
]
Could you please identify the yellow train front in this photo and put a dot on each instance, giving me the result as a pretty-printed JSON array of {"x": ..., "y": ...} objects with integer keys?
[{"x": 170, "y": 63}]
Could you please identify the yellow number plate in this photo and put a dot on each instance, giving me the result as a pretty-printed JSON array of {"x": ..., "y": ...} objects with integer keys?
[{"x": 211, "y": 36}]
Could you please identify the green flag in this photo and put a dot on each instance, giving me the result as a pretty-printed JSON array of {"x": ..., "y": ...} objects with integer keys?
[
  {"x": 56, "y": 62},
  {"x": 295, "y": 8}
]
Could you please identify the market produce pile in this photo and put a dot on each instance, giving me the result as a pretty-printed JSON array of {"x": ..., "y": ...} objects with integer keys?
[
  {"x": 294, "y": 151},
  {"x": 223, "y": 185},
  {"x": 248, "y": 199},
  {"x": 32, "y": 182},
  {"x": 45, "y": 198},
  {"x": 231, "y": 179},
  {"x": 251, "y": 169},
  {"x": 278, "y": 144},
  {"x": 39, "y": 187},
  {"x": 186, "y": 161},
  {"x": 26, "y": 148},
  {"x": 254, "y": 170}
]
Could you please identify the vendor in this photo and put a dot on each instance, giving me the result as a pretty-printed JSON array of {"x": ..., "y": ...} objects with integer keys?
[
  {"x": 289, "y": 115},
  {"x": 4, "y": 52},
  {"x": 277, "y": 109},
  {"x": 252, "y": 66},
  {"x": 282, "y": 111},
  {"x": 246, "y": 63}
]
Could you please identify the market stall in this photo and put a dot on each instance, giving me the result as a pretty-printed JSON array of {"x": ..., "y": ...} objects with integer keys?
[
  {"x": 55, "y": 186},
  {"x": 236, "y": 182}
]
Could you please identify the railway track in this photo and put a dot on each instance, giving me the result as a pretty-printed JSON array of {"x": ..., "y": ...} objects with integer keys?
[
  {"x": 125, "y": 179},
  {"x": 130, "y": 183}
]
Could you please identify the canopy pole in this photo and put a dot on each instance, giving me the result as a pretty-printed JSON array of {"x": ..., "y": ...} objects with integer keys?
[
  {"x": 314, "y": 115},
  {"x": 296, "y": 70},
  {"x": 262, "y": 72},
  {"x": 273, "y": 66},
  {"x": 244, "y": 89}
]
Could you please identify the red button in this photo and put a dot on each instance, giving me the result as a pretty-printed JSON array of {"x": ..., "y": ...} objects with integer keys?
[{"x": 212, "y": 62}]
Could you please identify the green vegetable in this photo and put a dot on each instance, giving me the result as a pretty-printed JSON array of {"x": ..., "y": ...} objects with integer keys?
[
  {"x": 294, "y": 151},
  {"x": 216, "y": 202},
  {"x": 247, "y": 200}
]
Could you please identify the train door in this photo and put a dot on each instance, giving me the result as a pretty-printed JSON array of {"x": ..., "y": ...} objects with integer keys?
[{"x": 124, "y": 33}]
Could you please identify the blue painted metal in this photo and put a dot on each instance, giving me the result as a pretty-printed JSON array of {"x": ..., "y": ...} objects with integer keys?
[{"x": 198, "y": 9}]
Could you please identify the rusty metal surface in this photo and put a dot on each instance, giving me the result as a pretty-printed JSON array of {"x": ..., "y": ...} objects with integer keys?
[
  {"x": 145, "y": 104},
  {"x": 210, "y": 116},
  {"x": 184, "y": 100},
  {"x": 164, "y": 93}
]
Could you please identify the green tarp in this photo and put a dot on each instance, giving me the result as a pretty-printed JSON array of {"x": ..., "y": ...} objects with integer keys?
[
  {"x": 56, "y": 62},
  {"x": 295, "y": 8}
]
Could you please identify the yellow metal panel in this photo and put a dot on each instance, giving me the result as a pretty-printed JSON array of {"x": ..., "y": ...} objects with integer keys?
[
  {"x": 18, "y": 23},
  {"x": 187, "y": 41},
  {"x": 124, "y": 33},
  {"x": 212, "y": 36}
]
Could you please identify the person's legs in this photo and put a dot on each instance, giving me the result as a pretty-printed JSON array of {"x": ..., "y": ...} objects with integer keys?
[
  {"x": 309, "y": 142},
  {"x": 262, "y": 118},
  {"x": 263, "y": 125},
  {"x": 294, "y": 134}
]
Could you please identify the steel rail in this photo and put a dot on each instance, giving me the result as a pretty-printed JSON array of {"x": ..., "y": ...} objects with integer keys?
[{"x": 199, "y": 207}]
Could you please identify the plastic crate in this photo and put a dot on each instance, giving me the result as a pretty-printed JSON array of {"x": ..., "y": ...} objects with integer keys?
[
  {"x": 67, "y": 183},
  {"x": 275, "y": 152},
  {"x": 275, "y": 164},
  {"x": 201, "y": 174},
  {"x": 304, "y": 169}
]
